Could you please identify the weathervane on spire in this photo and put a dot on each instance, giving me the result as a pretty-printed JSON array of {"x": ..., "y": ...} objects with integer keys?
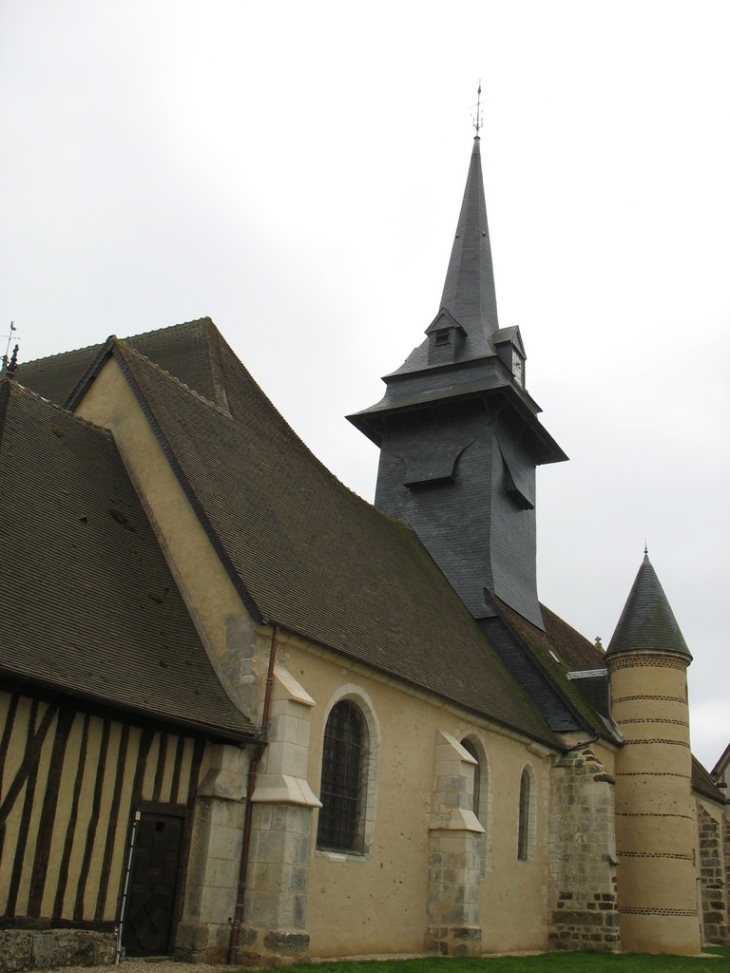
[{"x": 478, "y": 120}]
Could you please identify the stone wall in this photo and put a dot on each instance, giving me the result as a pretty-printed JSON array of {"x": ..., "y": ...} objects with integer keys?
[
  {"x": 583, "y": 908},
  {"x": 37, "y": 949},
  {"x": 712, "y": 879}
]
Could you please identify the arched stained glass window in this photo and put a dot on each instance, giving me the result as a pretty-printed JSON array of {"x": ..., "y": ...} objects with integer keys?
[
  {"x": 524, "y": 825},
  {"x": 342, "y": 792}
]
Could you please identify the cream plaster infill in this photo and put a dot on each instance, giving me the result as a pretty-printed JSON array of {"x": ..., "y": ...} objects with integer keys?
[
  {"x": 220, "y": 617},
  {"x": 346, "y": 663}
]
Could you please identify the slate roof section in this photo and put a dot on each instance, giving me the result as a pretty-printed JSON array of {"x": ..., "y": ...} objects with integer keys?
[
  {"x": 188, "y": 351},
  {"x": 89, "y": 606},
  {"x": 558, "y": 650},
  {"x": 702, "y": 783},
  {"x": 313, "y": 556},
  {"x": 647, "y": 623}
]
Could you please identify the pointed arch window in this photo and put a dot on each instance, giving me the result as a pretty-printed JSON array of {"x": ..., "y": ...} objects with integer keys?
[
  {"x": 342, "y": 792},
  {"x": 523, "y": 834}
]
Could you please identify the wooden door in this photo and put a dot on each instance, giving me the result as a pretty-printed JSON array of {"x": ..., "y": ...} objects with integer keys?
[{"x": 155, "y": 864}]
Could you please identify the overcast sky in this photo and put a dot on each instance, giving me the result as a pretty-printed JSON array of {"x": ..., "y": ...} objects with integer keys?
[{"x": 295, "y": 171}]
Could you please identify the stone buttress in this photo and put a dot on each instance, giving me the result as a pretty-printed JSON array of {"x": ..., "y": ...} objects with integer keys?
[
  {"x": 655, "y": 810},
  {"x": 275, "y": 905},
  {"x": 583, "y": 908},
  {"x": 203, "y": 934},
  {"x": 452, "y": 905}
]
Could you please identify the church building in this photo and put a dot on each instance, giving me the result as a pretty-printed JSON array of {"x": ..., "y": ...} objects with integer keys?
[{"x": 247, "y": 717}]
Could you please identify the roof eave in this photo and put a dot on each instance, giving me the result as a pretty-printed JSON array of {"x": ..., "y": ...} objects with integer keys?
[
  {"x": 371, "y": 422},
  {"x": 93, "y": 699}
]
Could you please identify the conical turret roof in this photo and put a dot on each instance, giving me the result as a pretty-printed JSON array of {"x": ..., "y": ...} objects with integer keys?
[{"x": 647, "y": 623}]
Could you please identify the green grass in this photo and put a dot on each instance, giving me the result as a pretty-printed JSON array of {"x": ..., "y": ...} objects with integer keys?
[{"x": 546, "y": 963}]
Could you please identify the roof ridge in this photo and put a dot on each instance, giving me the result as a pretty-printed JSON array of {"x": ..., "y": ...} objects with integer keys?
[
  {"x": 171, "y": 327},
  {"x": 125, "y": 347},
  {"x": 213, "y": 339},
  {"x": 100, "y": 344},
  {"x": 60, "y": 354}
]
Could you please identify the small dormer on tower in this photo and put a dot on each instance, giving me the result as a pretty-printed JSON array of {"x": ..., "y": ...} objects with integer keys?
[
  {"x": 511, "y": 351},
  {"x": 446, "y": 339},
  {"x": 459, "y": 435}
]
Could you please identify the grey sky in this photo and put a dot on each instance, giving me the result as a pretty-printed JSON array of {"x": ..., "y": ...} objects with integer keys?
[{"x": 295, "y": 171}]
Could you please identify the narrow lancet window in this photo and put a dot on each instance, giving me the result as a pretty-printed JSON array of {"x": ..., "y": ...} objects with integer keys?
[
  {"x": 524, "y": 825},
  {"x": 471, "y": 750}
]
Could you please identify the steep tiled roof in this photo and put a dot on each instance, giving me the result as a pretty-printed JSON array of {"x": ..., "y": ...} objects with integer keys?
[
  {"x": 312, "y": 555},
  {"x": 647, "y": 622},
  {"x": 722, "y": 763},
  {"x": 56, "y": 376},
  {"x": 577, "y": 652},
  {"x": 187, "y": 351},
  {"x": 703, "y": 784},
  {"x": 88, "y": 605}
]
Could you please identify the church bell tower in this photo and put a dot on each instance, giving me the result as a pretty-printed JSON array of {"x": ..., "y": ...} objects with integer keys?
[{"x": 459, "y": 435}]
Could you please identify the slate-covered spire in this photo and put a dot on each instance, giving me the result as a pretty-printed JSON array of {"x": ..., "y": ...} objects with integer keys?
[
  {"x": 647, "y": 623},
  {"x": 469, "y": 293}
]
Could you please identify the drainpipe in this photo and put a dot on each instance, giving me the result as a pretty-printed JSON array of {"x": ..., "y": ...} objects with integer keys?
[{"x": 248, "y": 813}]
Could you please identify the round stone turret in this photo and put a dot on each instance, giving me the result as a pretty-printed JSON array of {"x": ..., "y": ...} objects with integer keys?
[{"x": 655, "y": 830}]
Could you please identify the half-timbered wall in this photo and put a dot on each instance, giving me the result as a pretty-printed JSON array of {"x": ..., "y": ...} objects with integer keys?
[{"x": 69, "y": 784}]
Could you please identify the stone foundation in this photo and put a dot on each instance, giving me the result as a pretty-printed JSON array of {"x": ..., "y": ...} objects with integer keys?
[
  {"x": 39, "y": 949},
  {"x": 272, "y": 948},
  {"x": 454, "y": 940},
  {"x": 202, "y": 942}
]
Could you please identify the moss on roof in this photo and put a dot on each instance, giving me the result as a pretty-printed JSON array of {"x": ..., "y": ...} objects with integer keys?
[
  {"x": 556, "y": 650},
  {"x": 88, "y": 604},
  {"x": 316, "y": 558}
]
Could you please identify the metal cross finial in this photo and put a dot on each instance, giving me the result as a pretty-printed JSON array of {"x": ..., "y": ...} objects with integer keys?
[
  {"x": 13, "y": 329},
  {"x": 478, "y": 121}
]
